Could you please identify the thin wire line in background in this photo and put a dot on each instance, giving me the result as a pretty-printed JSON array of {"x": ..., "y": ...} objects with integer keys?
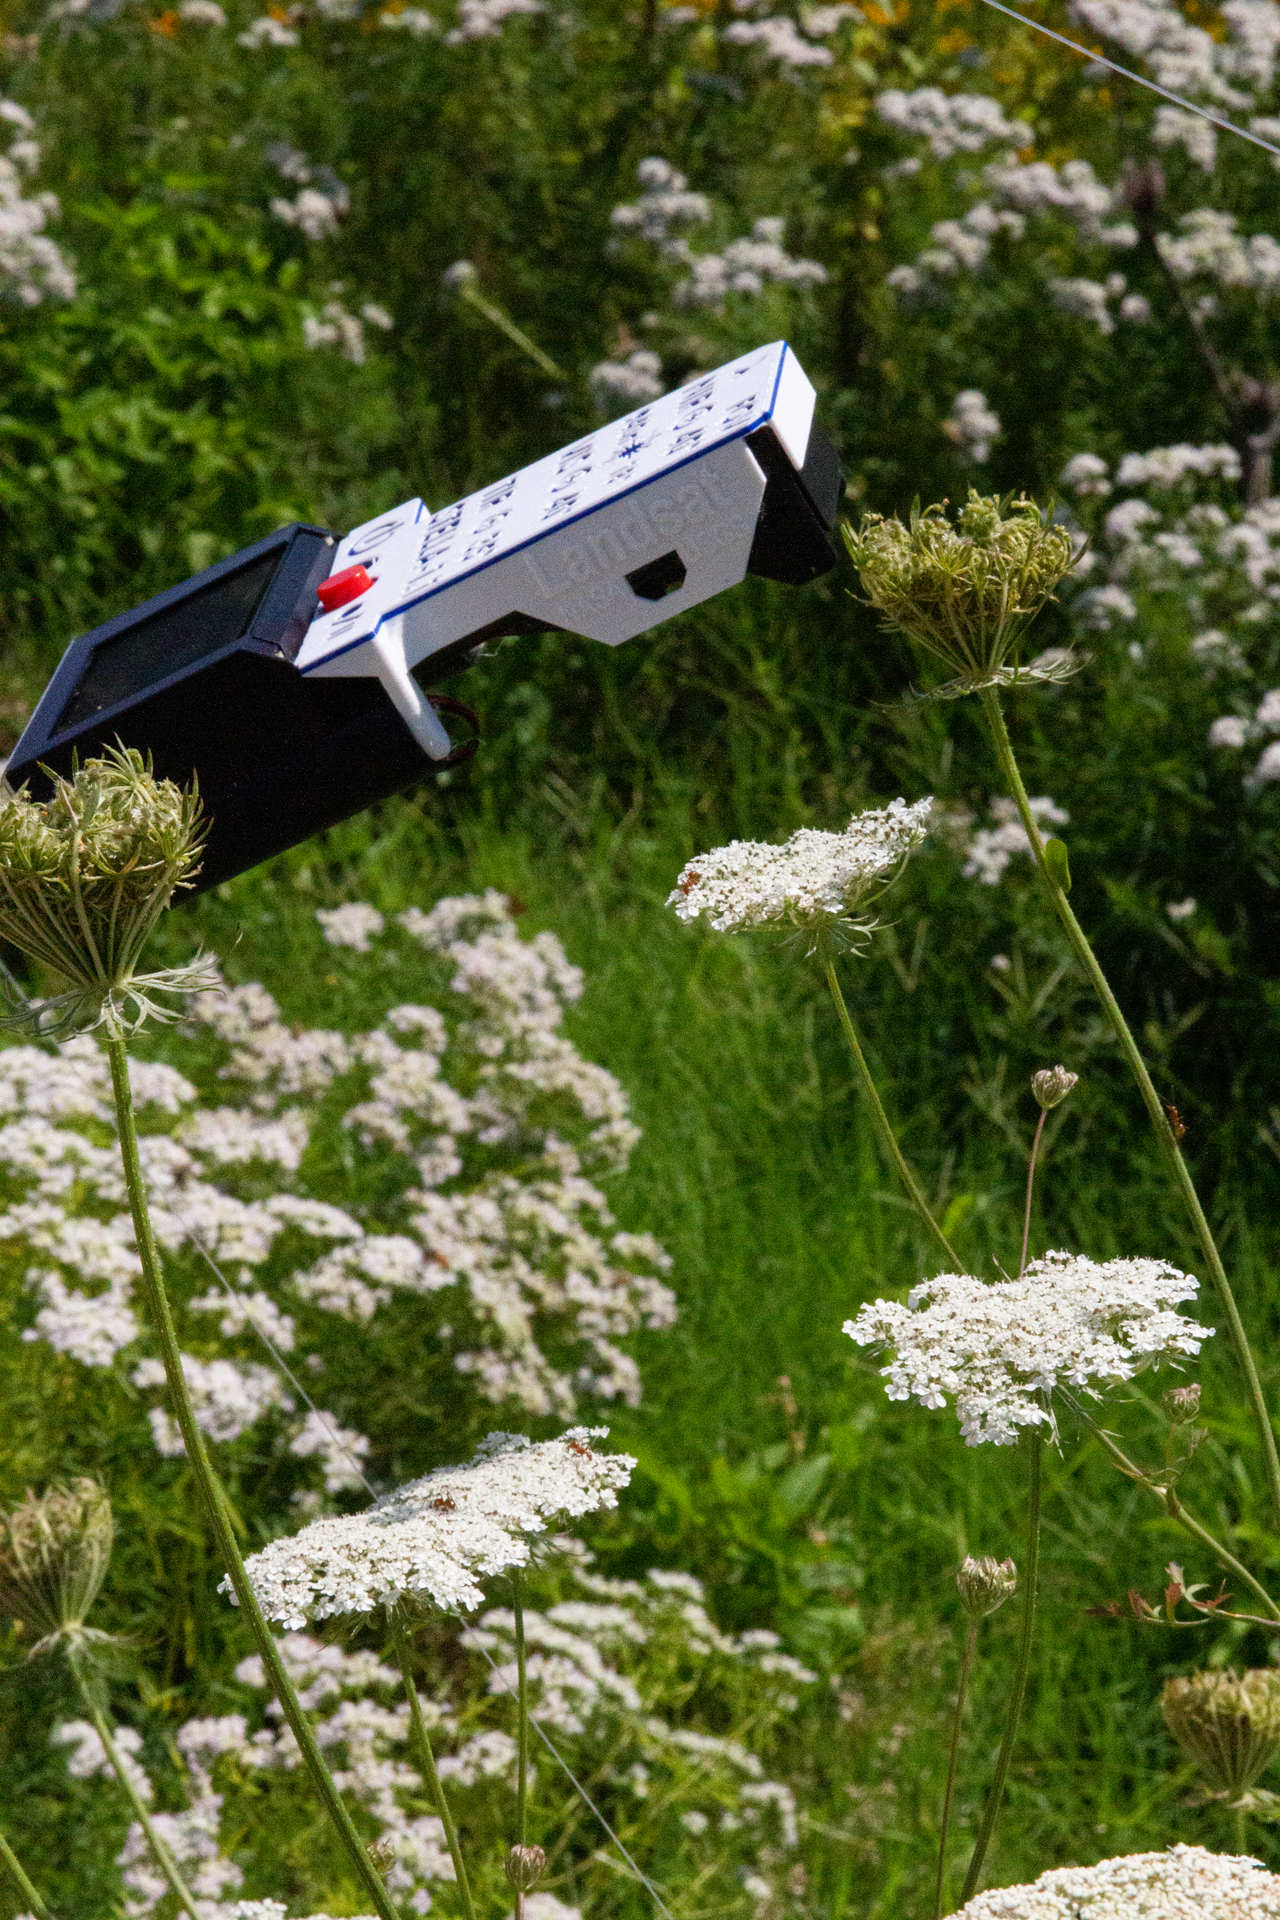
[
  {"x": 1179, "y": 100},
  {"x": 641, "y": 1876},
  {"x": 275, "y": 1352}
]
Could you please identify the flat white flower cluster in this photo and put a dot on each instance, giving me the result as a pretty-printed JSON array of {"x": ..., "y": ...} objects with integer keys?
[
  {"x": 618, "y": 385},
  {"x": 972, "y": 424},
  {"x": 483, "y": 19},
  {"x": 323, "y": 201},
  {"x": 609, "y": 1666},
  {"x": 521, "y": 1278},
  {"x": 32, "y": 268},
  {"x": 779, "y": 39},
  {"x": 1218, "y": 562},
  {"x": 1186, "y": 1883},
  {"x": 811, "y": 879},
  {"x": 664, "y": 200},
  {"x": 951, "y": 122},
  {"x": 438, "y": 1537},
  {"x": 334, "y": 326},
  {"x": 1001, "y": 1349},
  {"x": 745, "y": 266},
  {"x": 988, "y": 850}
]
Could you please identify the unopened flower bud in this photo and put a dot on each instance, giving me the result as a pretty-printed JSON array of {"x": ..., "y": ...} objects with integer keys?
[
  {"x": 985, "y": 1584},
  {"x": 54, "y": 1553},
  {"x": 1182, "y": 1404},
  {"x": 1228, "y": 1724},
  {"x": 524, "y": 1867},
  {"x": 382, "y": 1853},
  {"x": 1052, "y": 1085}
]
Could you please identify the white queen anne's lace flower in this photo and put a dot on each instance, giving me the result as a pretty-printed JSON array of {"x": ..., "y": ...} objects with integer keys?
[
  {"x": 812, "y": 879},
  {"x": 439, "y": 1536},
  {"x": 1003, "y": 1348},
  {"x": 1186, "y": 1883}
]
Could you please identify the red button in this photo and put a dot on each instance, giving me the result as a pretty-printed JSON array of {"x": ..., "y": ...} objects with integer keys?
[{"x": 339, "y": 588}]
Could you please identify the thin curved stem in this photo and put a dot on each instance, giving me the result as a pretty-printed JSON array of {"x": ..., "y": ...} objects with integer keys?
[
  {"x": 163, "y": 1855},
  {"x": 883, "y": 1126},
  {"x": 1030, "y": 1581},
  {"x": 427, "y": 1760},
  {"x": 1137, "y": 1066},
  {"x": 522, "y": 1681},
  {"x": 19, "y": 1875},
  {"x": 218, "y": 1509},
  {"x": 953, "y": 1754},
  {"x": 1031, "y": 1184},
  {"x": 1168, "y": 1498}
]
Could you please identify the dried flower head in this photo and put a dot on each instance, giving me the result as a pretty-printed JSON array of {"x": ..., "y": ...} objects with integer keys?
[
  {"x": 1186, "y": 1883},
  {"x": 438, "y": 1537},
  {"x": 54, "y": 1553},
  {"x": 1052, "y": 1085},
  {"x": 966, "y": 592},
  {"x": 814, "y": 883},
  {"x": 1004, "y": 1348},
  {"x": 985, "y": 1584},
  {"x": 524, "y": 1867},
  {"x": 1182, "y": 1403},
  {"x": 85, "y": 876},
  {"x": 1229, "y": 1724}
]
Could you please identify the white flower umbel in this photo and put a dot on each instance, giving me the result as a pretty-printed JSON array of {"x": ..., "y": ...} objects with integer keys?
[
  {"x": 438, "y": 1537},
  {"x": 1186, "y": 1883},
  {"x": 1003, "y": 1348},
  {"x": 811, "y": 882}
]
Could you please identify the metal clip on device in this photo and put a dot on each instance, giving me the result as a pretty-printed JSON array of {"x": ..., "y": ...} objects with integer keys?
[{"x": 294, "y": 679}]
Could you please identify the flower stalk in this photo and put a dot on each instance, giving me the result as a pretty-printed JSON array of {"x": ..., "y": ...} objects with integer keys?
[
  {"x": 883, "y": 1126},
  {"x": 1026, "y": 1627},
  {"x": 212, "y": 1496},
  {"x": 18, "y": 1874},
  {"x": 427, "y": 1760},
  {"x": 953, "y": 1755},
  {"x": 1151, "y": 1099},
  {"x": 161, "y": 1852},
  {"x": 522, "y": 1682}
]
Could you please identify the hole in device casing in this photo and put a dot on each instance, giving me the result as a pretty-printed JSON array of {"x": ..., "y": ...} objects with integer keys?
[{"x": 657, "y": 578}]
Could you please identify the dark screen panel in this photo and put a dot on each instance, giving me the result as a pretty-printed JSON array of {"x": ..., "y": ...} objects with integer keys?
[{"x": 174, "y": 638}]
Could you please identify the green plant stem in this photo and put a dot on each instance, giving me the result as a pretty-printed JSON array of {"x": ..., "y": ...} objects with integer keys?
[
  {"x": 1168, "y": 1498},
  {"x": 1030, "y": 1582},
  {"x": 217, "y": 1507},
  {"x": 953, "y": 1754},
  {"x": 885, "y": 1130},
  {"x": 1031, "y": 1187},
  {"x": 163, "y": 1856},
  {"x": 25, "y": 1887},
  {"x": 427, "y": 1760},
  {"x": 1155, "y": 1110},
  {"x": 522, "y": 1680},
  {"x": 1241, "y": 1830},
  {"x": 505, "y": 324}
]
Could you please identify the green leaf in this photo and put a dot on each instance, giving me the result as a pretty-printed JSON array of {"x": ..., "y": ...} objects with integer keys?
[{"x": 1055, "y": 858}]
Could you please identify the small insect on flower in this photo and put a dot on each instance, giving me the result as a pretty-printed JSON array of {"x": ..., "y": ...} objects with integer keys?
[{"x": 444, "y": 1504}]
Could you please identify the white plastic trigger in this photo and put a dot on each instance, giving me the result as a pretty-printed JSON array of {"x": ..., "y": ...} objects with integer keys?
[{"x": 404, "y": 693}]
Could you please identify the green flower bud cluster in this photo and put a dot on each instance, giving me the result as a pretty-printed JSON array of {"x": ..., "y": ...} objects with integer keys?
[
  {"x": 964, "y": 592},
  {"x": 54, "y": 1553},
  {"x": 85, "y": 876},
  {"x": 1229, "y": 1724}
]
